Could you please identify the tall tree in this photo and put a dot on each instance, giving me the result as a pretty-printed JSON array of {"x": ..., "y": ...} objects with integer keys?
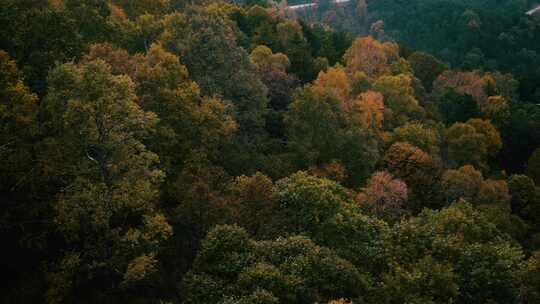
[
  {"x": 371, "y": 56},
  {"x": 533, "y": 166},
  {"x": 399, "y": 99},
  {"x": 426, "y": 67},
  {"x": 418, "y": 170},
  {"x": 107, "y": 212},
  {"x": 18, "y": 123},
  {"x": 206, "y": 42}
]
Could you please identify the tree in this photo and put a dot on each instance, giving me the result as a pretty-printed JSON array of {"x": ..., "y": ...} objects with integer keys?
[
  {"x": 472, "y": 142},
  {"x": 37, "y": 36},
  {"x": 470, "y": 83},
  {"x": 399, "y": 99},
  {"x": 206, "y": 42},
  {"x": 321, "y": 131},
  {"x": 230, "y": 266},
  {"x": 419, "y": 135},
  {"x": 425, "y": 281},
  {"x": 313, "y": 123},
  {"x": 107, "y": 213},
  {"x": 492, "y": 197},
  {"x": 259, "y": 296},
  {"x": 18, "y": 109},
  {"x": 490, "y": 132},
  {"x": 334, "y": 82},
  {"x": 368, "y": 109},
  {"x": 457, "y": 107},
  {"x": 323, "y": 210},
  {"x": 370, "y": 56},
  {"x": 465, "y": 250},
  {"x": 386, "y": 196},
  {"x": 23, "y": 213},
  {"x": 272, "y": 69},
  {"x": 533, "y": 166},
  {"x": 463, "y": 183},
  {"x": 426, "y": 67},
  {"x": 497, "y": 110},
  {"x": 359, "y": 83},
  {"x": 401, "y": 66},
  {"x": 256, "y": 200},
  {"x": 530, "y": 280},
  {"x": 120, "y": 61},
  {"x": 189, "y": 126},
  {"x": 308, "y": 201},
  {"x": 418, "y": 170},
  {"x": 495, "y": 201},
  {"x": 89, "y": 18},
  {"x": 135, "y": 35},
  {"x": 136, "y": 8},
  {"x": 525, "y": 199},
  {"x": 291, "y": 41},
  {"x": 263, "y": 58}
]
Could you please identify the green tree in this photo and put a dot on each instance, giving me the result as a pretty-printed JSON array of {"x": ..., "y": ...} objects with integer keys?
[
  {"x": 320, "y": 130},
  {"x": 323, "y": 210},
  {"x": 205, "y": 40},
  {"x": 189, "y": 126},
  {"x": 482, "y": 261},
  {"x": 135, "y": 8},
  {"x": 18, "y": 124},
  {"x": 23, "y": 217},
  {"x": 463, "y": 183},
  {"x": 426, "y": 67},
  {"x": 457, "y": 107},
  {"x": 530, "y": 280},
  {"x": 473, "y": 142},
  {"x": 312, "y": 123},
  {"x": 399, "y": 99},
  {"x": 107, "y": 212},
  {"x": 533, "y": 166},
  {"x": 419, "y": 135},
  {"x": 425, "y": 281},
  {"x": 37, "y": 36},
  {"x": 256, "y": 199},
  {"x": 293, "y": 270}
]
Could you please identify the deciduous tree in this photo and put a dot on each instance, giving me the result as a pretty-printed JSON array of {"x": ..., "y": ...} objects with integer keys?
[
  {"x": 371, "y": 56},
  {"x": 107, "y": 212}
]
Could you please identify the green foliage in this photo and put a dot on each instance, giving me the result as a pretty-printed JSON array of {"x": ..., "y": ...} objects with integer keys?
[
  {"x": 111, "y": 193},
  {"x": 307, "y": 201},
  {"x": 18, "y": 123},
  {"x": 399, "y": 99},
  {"x": 37, "y": 36},
  {"x": 533, "y": 166},
  {"x": 319, "y": 131},
  {"x": 425, "y": 281},
  {"x": 291, "y": 270},
  {"x": 530, "y": 280},
  {"x": 206, "y": 42},
  {"x": 473, "y": 142},
  {"x": 418, "y": 135},
  {"x": 477, "y": 259},
  {"x": 457, "y": 107},
  {"x": 158, "y": 161},
  {"x": 426, "y": 67}
]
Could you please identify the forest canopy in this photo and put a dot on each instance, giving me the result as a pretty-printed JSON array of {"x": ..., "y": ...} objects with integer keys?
[{"x": 226, "y": 152}]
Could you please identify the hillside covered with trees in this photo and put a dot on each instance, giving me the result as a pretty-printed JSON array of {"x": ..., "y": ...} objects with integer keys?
[{"x": 213, "y": 152}]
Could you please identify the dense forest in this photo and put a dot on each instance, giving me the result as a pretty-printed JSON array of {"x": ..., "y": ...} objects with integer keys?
[{"x": 224, "y": 152}]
